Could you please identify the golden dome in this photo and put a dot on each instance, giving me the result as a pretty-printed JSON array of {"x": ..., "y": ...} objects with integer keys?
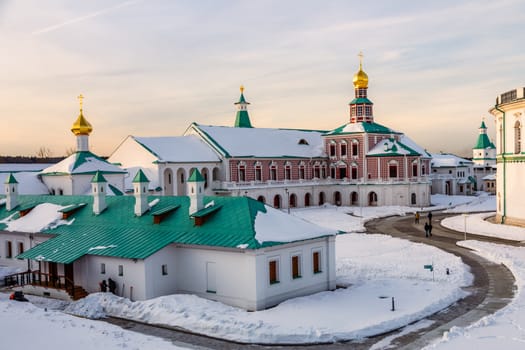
[
  {"x": 360, "y": 78},
  {"x": 81, "y": 126}
]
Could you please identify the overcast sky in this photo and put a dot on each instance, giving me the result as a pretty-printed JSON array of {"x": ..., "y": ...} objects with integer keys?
[{"x": 150, "y": 68}]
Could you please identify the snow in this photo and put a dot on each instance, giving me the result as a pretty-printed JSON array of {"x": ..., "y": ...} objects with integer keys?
[
  {"x": 505, "y": 329},
  {"x": 41, "y": 217},
  {"x": 266, "y": 142},
  {"x": 90, "y": 165},
  {"x": 478, "y": 224},
  {"x": 101, "y": 247},
  {"x": 440, "y": 160},
  {"x": 269, "y": 227},
  {"x": 389, "y": 146},
  {"x": 410, "y": 143},
  {"x": 153, "y": 202},
  {"x": 178, "y": 149},
  {"x": 28, "y": 182},
  {"x": 373, "y": 268},
  {"x": 22, "y": 167}
]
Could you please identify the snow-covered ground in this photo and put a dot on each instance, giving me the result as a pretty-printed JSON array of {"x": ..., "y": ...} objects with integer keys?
[
  {"x": 374, "y": 268},
  {"x": 476, "y": 223}
]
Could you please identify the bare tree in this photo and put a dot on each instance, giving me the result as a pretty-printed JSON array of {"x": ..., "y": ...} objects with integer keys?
[{"x": 44, "y": 152}]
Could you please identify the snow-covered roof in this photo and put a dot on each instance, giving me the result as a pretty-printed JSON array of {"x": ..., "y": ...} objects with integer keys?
[
  {"x": 407, "y": 141},
  {"x": 262, "y": 142},
  {"x": 489, "y": 177},
  {"x": 355, "y": 128},
  {"x": 189, "y": 148},
  {"x": 28, "y": 182},
  {"x": 443, "y": 160},
  {"x": 391, "y": 147},
  {"x": 18, "y": 167},
  {"x": 82, "y": 163}
]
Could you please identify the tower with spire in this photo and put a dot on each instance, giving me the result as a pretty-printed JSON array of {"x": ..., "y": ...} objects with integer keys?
[
  {"x": 242, "y": 120},
  {"x": 81, "y": 129},
  {"x": 484, "y": 152},
  {"x": 361, "y": 106}
]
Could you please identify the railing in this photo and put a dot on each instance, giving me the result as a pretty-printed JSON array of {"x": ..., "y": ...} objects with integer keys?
[{"x": 38, "y": 278}]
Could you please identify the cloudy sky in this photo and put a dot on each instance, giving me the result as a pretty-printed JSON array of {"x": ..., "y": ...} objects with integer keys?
[{"x": 150, "y": 68}]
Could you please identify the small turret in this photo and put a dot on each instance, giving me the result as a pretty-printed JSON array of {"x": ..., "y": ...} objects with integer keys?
[
  {"x": 242, "y": 120},
  {"x": 196, "y": 191},
  {"x": 98, "y": 186},
  {"x": 140, "y": 190},
  {"x": 11, "y": 192},
  {"x": 81, "y": 128}
]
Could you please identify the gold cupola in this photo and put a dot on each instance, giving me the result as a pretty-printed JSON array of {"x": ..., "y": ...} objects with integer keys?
[
  {"x": 360, "y": 78},
  {"x": 81, "y": 126}
]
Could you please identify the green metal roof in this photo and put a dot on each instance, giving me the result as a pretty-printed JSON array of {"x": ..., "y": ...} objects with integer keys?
[
  {"x": 373, "y": 128},
  {"x": 118, "y": 232},
  {"x": 10, "y": 179},
  {"x": 242, "y": 120},
  {"x": 206, "y": 211},
  {"x": 242, "y": 100},
  {"x": 483, "y": 142},
  {"x": 115, "y": 190},
  {"x": 196, "y": 176},
  {"x": 140, "y": 177},
  {"x": 361, "y": 100},
  {"x": 98, "y": 177}
]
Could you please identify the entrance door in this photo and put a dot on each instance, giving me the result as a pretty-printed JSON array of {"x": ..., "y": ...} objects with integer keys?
[
  {"x": 70, "y": 279},
  {"x": 211, "y": 278},
  {"x": 53, "y": 274}
]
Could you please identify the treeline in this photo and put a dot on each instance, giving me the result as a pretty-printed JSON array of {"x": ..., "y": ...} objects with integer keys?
[{"x": 29, "y": 160}]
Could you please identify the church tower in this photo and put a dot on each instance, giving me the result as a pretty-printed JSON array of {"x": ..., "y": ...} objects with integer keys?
[
  {"x": 242, "y": 120},
  {"x": 11, "y": 192},
  {"x": 484, "y": 152},
  {"x": 98, "y": 184},
  {"x": 196, "y": 191},
  {"x": 82, "y": 128},
  {"x": 140, "y": 190},
  {"x": 361, "y": 106}
]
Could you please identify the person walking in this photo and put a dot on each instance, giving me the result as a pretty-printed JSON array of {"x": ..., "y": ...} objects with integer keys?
[
  {"x": 430, "y": 229},
  {"x": 417, "y": 217},
  {"x": 429, "y": 216},
  {"x": 426, "y": 229}
]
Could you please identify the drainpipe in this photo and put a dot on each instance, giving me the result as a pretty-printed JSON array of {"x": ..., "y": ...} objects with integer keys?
[{"x": 503, "y": 216}]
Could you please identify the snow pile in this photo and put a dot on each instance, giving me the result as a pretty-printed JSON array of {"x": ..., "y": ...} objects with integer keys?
[
  {"x": 506, "y": 328},
  {"x": 50, "y": 329},
  {"x": 477, "y": 224},
  {"x": 477, "y": 204},
  {"x": 41, "y": 217},
  {"x": 269, "y": 227}
]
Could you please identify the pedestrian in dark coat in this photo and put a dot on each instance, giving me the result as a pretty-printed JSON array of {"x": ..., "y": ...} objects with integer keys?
[
  {"x": 429, "y": 216},
  {"x": 430, "y": 229},
  {"x": 426, "y": 229}
]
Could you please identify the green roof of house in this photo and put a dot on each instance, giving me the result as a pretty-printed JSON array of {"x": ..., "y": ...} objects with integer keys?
[
  {"x": 196, "y": 176},
  {"x": 483, "y": 142},
  {"x": 140, "y": 177},
  {"x": 355, "y": 128},
  {"x": 10, "y": 179},
  {"x": 360, "y": 100},
  {"x": 119, "y": 233},
  {"x": 98, "y": 177}
]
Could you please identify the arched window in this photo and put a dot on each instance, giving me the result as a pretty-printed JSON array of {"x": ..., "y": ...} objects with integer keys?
[
  {"x": 332, "y": 149},
  {"x": 302, "y": 172},
  {"x": 414, "y": 168},
  {"x": 277, "y": 201},
  {"x": 355, "y": 148},
  {"x": 332, "y": 171},
  {"x": 307, "y": 200},
  {"x": 372, "y": 199},
  {"x": 293, "y": 200},
  {"x": 337, "y": 198},
  {"x": 261, "y": 199},
  {"x": 258, "y": 171},
  {"x": 413, "y": 199},
  {"x": 354, "y": 198},
  {"x": 273, "y": 171},
  {"x": 321, "y": 198},
  {"x": 288, "y": 171},
  {"x": 343, "y": 149},
  {"x": 517, "y": 137}
]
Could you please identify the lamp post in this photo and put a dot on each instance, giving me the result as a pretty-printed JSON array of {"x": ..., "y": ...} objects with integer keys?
[
  {"x": 287, "y": 199},
  {"x": 465, "y": 226}
]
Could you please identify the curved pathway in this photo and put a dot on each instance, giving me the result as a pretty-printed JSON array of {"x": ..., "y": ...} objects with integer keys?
[{"x": 492, "y": 289}]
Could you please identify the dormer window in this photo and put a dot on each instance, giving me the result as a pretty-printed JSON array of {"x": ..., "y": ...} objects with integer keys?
[{"x": 303, "y": 142}]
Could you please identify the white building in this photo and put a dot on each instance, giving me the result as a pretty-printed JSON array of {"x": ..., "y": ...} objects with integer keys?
[
  {"x": 451, "y": 175},
  {"x": 484, "y": 158},
  {"x": 231, "y": 249},
  {"x": 509, "y": 113}
]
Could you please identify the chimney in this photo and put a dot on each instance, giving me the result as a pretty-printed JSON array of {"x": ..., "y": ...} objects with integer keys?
[
  {"x": 196, "y": 191},
  {"x": 11, "y": 192},
  {"x": 98, "y": 186},
  {"x": 140, "y": 190}
]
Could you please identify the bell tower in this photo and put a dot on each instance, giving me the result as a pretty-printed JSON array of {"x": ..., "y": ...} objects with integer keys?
[{"x": 361, "y": 107}]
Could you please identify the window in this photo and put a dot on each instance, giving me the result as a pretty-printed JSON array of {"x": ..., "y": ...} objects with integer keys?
[
  {"x": 102, "y": 269},
  {"x": 317, "y": 173},
  {"x": 20, "y": 248},
  {"x": 316, "y": 261},
  {"x": 301, "y": 172},
  {"x": 8, "y": 249},
  {"x": 273, "y": 172},
  {"x": 392, "y": 170},
  {"x": 343, "y": 150},
  {"x": 273, "y": 271},
  {"x": 355, "y": 148},
  {"x": 296, "y": 266},
  {"x": 414, "y": 169},
  {"x": 332, "y": 150},
  {"x": 517, "y": 137},
  {"x": 181, "y": 178},
  {"x": 258, "y": 173},
  {"x": 288, "y": 172},
  {"x": 413, "y": 199},
  {"x": 164, "y": 270},
  {"x": 242, "y": 173},
  {"x": 121, "y": 270},
  {"x": 368, "y": 110},
  {"x": 359, "y": 110},
  {"x": 354, "y": 172}
]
